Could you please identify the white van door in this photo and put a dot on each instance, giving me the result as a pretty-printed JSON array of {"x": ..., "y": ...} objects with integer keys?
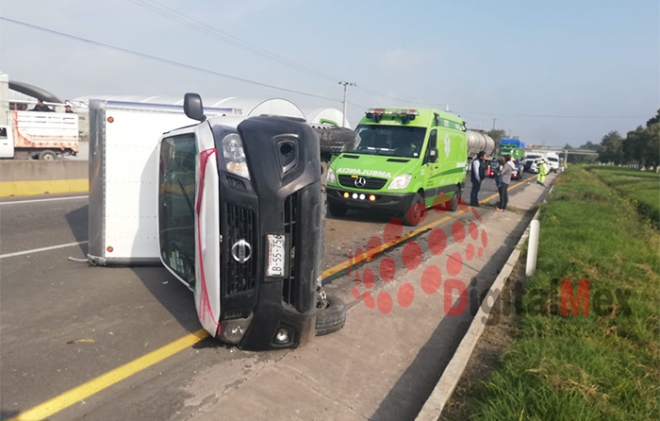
[
  {"x": 188, "y": 217},
  {"x": 6, "y": 142}
]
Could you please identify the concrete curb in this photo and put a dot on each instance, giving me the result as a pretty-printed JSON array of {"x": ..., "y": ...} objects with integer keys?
[
  {"x": 37, "y": 188},
  {"x": 445, "y": 387}
]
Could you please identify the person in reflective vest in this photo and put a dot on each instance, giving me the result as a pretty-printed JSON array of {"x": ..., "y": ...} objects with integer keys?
[{"x": 543, "y": 170}]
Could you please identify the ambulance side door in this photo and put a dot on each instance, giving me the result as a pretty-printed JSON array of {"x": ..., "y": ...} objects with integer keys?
[{"x": 431, "y": 166}]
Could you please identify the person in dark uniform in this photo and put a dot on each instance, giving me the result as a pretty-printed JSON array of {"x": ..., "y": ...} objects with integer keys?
[
  {"x": 68, "y": 109},
  {"x": 41, "y": 106},
  {"x": 477, "y": 175}
]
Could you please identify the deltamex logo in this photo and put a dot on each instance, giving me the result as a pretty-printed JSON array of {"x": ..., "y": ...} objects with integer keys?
[
  {"x": 472, "y": 238},
  {"x": 563, "y": 298}
]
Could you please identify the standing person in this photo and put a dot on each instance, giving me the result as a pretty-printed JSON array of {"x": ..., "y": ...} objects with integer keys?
[
  {"x": 543, "y": 170},
  {"x": 68, "y": 109},
  {"x": 41, "y": 106},
  {"x": 507, "y": 172},
  {"x": 477, "y": 175}
]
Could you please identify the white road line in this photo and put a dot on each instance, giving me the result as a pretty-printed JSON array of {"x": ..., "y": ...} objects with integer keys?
[
  {"x": 39, "y": 250},
  {"x": 19, "y": 202}
]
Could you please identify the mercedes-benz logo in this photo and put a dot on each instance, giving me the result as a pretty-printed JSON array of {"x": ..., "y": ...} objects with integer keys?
[
  {"x": 241, "y": 251},
  {"x": 360, "y": 182}
]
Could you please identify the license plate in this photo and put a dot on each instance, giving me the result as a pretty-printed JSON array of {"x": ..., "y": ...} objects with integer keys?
[{"x": 276, "y": 256}]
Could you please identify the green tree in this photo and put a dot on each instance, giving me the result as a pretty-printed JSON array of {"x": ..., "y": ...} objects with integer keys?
[
  {"x": 497, "y": 135},
  {"x": 591, "y": 146},
  {"x": 567, "y": 146},
  {"x": 611, "y": 148},
  {"x": 642, "y": 145}
]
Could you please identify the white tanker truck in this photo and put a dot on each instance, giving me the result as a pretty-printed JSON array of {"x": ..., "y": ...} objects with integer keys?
[{"x": 477, "y": 141}]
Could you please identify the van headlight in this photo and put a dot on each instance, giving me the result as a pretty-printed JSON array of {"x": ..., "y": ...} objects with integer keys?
[
  {"x": 331, "y": 176},
  {"x": 400, "y": 182},
  {"x": 234, "y": 155}
]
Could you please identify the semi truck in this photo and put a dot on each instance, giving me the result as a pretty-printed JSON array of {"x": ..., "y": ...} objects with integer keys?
[
  {"x": 39, "y": 135},
  {"x": 230, "y": 205}
]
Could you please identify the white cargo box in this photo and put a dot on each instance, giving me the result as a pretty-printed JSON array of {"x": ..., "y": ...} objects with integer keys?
[{"x": 123, "y": 178}]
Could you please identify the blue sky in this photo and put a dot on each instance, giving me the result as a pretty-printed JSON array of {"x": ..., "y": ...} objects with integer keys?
[{"x": 527, "y": 64}]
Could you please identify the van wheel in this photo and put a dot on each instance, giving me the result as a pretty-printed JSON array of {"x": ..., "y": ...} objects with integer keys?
[
  {"x": 330, "y": 316},
  {"x": 337, "y": 210},
  {"x": 47, "y": 156},
  {"x": 453, "y": 206},
  {"x": 416, "y": 212}
]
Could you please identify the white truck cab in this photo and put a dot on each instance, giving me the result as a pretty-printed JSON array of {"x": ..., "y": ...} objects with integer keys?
[
  {"x": 6, "y": 142},
  {"x": 230, "y": 205},
  {"x": 553, "y": 162}
]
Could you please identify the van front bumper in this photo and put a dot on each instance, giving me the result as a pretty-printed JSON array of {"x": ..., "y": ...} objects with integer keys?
[{"x": 385, "y": 202}]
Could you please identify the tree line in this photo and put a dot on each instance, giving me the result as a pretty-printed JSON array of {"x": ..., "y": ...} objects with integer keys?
[{"x": 640, "y": 147}]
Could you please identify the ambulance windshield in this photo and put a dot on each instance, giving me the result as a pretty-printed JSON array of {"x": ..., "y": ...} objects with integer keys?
[{"x": 398, "y": 141}]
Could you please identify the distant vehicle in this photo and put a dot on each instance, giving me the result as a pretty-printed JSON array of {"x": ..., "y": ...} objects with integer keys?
[
  {"x": 553, "y": 161},
  {"x": 530, "y": 159},
  {"x": 39, "y": 135},
  {"x": 477, "y": 141}
]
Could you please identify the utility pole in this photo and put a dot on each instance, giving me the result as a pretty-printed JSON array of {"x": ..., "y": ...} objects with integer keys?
[
  {"x": 494, "y": 123},
  {"x": 343, "y": 123}
]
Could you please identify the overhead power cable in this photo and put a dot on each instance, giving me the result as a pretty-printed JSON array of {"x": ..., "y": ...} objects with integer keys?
[
  {"x": 164, "y": 60},
  {"x": 211, "y": 31}
]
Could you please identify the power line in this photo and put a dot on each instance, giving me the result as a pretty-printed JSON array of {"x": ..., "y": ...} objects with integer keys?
[
  {"x": 164, "y": 60},
  {"x": 211, "y": 31}
]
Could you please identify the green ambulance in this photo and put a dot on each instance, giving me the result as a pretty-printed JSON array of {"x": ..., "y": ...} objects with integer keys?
[{"x": 404, "y": 162}]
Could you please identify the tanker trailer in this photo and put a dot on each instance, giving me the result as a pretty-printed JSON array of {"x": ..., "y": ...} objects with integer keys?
[{"x": 478, "y": 141}]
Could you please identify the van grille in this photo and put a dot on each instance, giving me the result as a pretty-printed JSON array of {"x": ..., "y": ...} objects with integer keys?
[
  {"x": 240, "y": 277},
  {"x": 372, "y": 183},
  {"x": 290, "y": 285}
]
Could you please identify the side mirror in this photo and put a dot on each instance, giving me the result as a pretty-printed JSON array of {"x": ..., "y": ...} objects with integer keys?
[{"x": 192, "y": 106}]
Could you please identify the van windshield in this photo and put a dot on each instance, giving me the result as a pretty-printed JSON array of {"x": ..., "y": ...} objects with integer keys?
[
  {"x": 552, "y": 159},
  {"x": 399, "y": 141}
]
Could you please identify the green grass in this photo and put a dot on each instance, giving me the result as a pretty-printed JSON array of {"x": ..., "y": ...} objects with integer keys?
[
  {"x": 596, "y": 367},
  {"x": 641, "y": 187}
]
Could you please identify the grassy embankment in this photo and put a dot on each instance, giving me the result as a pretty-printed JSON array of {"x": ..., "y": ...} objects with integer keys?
[{"x": 603, "y": 366}]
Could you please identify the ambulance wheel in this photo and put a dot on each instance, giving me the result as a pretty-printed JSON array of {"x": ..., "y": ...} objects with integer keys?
[
  {"x": 415, "y": 214},
  {"x": 330, "y": 316},
  {"x": 453, "y": 206},
  {"x": 336, "y": 140},
  {"x": 47, "y": 156},
  {"x": 337, "y": 210}
]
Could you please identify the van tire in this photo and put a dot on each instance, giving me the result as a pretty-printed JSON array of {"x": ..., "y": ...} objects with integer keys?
[
  {"x": 338, "y": 211},
  {"x": 413, "y": 216},
  {"x": 453, "y": 206},
  {"x": 331, "y": 317},
  {"x": 336, "y": 140}
]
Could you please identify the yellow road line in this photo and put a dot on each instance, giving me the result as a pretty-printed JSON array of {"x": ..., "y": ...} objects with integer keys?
[
  {"x": 104, "y": 381},
  {"x": 370, "y": 254},
  {"x": 108, "y": 379}
]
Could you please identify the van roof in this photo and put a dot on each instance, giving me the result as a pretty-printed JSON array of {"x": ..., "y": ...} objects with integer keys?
[{"x": 424, "y": 116}]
